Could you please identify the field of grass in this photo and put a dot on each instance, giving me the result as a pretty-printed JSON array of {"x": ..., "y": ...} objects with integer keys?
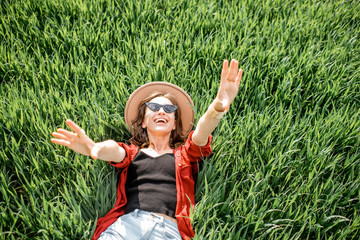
[{"x": 286, "y": 157}]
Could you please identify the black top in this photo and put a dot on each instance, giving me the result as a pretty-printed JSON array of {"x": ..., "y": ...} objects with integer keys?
[{"x": 151, "y": 184}]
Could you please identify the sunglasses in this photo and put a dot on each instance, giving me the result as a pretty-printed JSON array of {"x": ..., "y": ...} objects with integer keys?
[{"x": 156, "y": 107}]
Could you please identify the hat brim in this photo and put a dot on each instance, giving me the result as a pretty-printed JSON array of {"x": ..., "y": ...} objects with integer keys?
[{"x": 183, "y": 100}]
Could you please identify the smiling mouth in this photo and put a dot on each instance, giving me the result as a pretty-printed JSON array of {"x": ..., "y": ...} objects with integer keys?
[{"x": 160, "y": 120}]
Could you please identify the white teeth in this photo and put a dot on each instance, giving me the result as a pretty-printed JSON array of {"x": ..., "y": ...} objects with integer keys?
[{"x": 160, "y": 120}]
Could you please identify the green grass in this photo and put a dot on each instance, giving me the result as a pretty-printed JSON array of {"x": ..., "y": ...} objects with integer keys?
[{"x": 286, "y": 157}]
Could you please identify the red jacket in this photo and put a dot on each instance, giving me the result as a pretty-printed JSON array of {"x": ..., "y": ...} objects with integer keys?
[{"x": 186, "y": 158}]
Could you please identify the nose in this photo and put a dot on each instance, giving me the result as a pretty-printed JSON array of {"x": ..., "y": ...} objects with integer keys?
[{"x": 161, "y": 110}]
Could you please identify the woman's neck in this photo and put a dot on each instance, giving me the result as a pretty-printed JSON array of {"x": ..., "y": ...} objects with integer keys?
[
  {"x": 160, "y": 144},
  {"x": 158, "y": 149}
]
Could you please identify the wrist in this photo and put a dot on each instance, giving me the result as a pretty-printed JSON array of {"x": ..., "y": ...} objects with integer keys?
[{"x": 214, "y": 113}]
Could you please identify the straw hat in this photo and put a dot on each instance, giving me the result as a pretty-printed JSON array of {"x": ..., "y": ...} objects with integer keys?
[{"x": 183, "y": 99}]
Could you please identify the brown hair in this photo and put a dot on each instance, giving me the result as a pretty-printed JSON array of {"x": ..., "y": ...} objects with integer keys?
[{"x": 139, "y": 134}]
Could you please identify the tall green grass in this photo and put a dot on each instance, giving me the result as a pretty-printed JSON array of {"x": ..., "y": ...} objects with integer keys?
[{"x": 286, "y": 157}]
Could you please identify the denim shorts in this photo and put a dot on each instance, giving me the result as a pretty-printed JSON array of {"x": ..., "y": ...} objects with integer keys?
[{"x": 142, "y": 225}]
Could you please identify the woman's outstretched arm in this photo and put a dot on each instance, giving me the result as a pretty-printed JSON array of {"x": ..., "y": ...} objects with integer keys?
[
  {"x": 79, "y": 142},
  {"x": 229, "y": 87}
]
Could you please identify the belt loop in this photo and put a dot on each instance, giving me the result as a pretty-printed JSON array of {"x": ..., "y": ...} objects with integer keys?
[
  {"x": 161, "y": 220},
  {"x": 136, "y": 212}
]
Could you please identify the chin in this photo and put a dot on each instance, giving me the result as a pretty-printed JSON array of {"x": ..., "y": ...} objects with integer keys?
[{"x": 162, "y": 130}]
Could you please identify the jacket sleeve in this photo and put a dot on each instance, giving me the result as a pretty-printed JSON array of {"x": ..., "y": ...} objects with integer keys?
[
  {"x": 130, "y": 151},
  {"x": 195, "y": 152}
]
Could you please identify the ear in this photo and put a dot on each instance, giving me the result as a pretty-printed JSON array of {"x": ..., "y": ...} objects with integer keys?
[
  {"x": 143, "y": 124},
  {"x": 174, "y": 127}
]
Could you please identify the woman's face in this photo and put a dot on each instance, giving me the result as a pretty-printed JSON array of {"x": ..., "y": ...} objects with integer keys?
[{"x": 159, "y": 122}]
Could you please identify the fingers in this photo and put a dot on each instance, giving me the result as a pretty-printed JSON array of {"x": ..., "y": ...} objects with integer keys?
[
  {"x": 60, "y": 136},
  {"x": 233, "y": 72},
  {"x": 239, "y": 77},
  {"x": 60, "y": 142},
  {"x": 67, "y": 133},
  {"x": 79, "y": 132},
  {"x": 75, "y": 127},
  {"x": 64, "y": 134},
  {"x": 224, "y": 71},
  {"x": 65, "y": 137},
  {"x": 225, "y": 68}
]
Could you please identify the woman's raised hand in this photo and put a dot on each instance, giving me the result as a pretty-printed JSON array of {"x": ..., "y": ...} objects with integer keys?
[
  {"x": 76, "y": 140},
  {"x": 229, "y": 85}
]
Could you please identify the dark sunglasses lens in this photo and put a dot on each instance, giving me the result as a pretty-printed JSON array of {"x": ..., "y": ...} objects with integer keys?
[
  {"x": 170, "y": 108},
  {"x": 153, "y": 106}
]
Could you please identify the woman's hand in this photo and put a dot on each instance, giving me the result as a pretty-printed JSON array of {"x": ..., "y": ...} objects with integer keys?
[
  {"x": 229, "y": 85},
  {"x": 77, "y": 140}
]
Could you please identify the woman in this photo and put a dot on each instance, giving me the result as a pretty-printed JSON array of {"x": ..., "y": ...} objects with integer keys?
[{"x": 155, "y": 191}]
